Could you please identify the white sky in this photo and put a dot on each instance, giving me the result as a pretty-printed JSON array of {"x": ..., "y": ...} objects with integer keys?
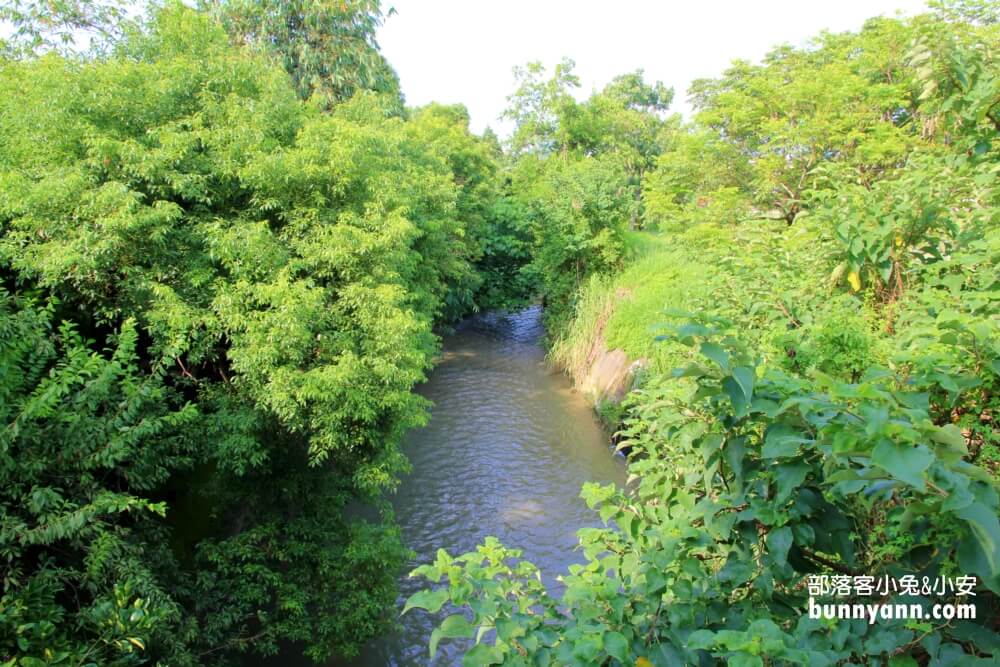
[{"x": 463, "y": 50}]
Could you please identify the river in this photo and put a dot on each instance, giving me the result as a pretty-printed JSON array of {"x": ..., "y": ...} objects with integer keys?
[{"x": 507, "y": 448}]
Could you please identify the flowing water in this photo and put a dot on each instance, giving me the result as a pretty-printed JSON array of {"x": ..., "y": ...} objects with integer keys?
[{"x": 508, "y": 447}]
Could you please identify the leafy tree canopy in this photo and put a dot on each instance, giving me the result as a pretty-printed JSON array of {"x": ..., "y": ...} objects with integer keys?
[{"x": 328, "y": 47}]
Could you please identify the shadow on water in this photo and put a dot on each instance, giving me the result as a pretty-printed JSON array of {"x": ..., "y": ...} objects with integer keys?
[{"x": 505, "y": 453}]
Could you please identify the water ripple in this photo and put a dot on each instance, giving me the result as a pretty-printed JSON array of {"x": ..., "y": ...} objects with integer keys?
[{"x": 505, "y": 453}]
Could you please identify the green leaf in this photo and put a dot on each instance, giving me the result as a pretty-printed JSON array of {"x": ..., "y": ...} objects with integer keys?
[
  {"x": 886, "y": 640},
  {"x": 508, "y": 629},
  {"x": 716, "y": 353},
  {"x": 710, "y": 445},
  {"x": 691, "y": 329},
  {"x": 985, "y": 527},
  {"x": 781, "y": 441},
  {"x": 616, "y": 646},
  {"x": 903, "y": 462},
  {"x": 736, "y": 395},
  {"x": 482, "y": 654},
  {"x": 700, "y": 639},
  {"x": 950, "y": 435},
  {"x": 432, "y": 601},
  {"x": 595, "y": 494},
  {"x": 734, "y": 453},
  {"x": 454, "y": 627},
  {"x": 788, "y": 477},
  {"x": 656, "y": 582},
  {"x": 983, "y": 639},
  {"x": 745, "y": 377},
  {"x": 779, "y": 541},
  {"x": 587, "y": 648}
]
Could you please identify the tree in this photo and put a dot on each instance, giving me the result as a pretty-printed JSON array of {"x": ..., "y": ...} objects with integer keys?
[
  {"x": 697, "y": 177},
  {"x": 537, "y": 105},
  {"x": 495, "y": 239},
  {"x": 328, "y": 47},
  {"x": 982, "y": 12},
  {"x": 85, "y": 438},
  {"x": 810, "y": 424},
  {"x": 59, "y": 25},
  {"x": 283, "y": 267},
  {"x": 577, "y": 210},
  {"x": 847, "y": 98},
  {"x": 625, "y": 120}
]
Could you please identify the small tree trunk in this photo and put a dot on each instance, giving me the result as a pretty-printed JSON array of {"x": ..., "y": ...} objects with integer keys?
[{"x": 634, "y": 222}]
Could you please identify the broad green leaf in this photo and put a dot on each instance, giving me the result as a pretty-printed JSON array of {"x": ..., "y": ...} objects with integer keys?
[
  {"x": 716, "y": 353},
  {"x": 616, "y": 646},
  {"x": 985, "y": 528},
  {"x": 779, "y": 541},
  {"x": 736, "y": 395},
  {"x": 455, "y": 626},
  {"x": 788, "y": 477},
  {"x": 734, "y": 452},
  {"x": 903, "y": 462},
  {"x": 950, "y": 435},
  {"x": 700, "y": 639},
  {"x": 430, "y": 600},
  {"x": 781, "y": 441},
  {"x": 482, "y": 654},
  {"x": 745, "y": 377}
]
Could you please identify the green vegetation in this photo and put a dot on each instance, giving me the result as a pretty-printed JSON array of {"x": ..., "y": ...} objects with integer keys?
[
  {"x": 578, "y": 173},
  {"x": 218, "y": 297},
  {"x": 226, "y": 246},
  {"x": 816, "y": 293}
]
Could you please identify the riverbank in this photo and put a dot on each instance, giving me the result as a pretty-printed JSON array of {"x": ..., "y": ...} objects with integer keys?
[
  {"x": 615, "y": 338},
  {"x": 770, "y": 285}
]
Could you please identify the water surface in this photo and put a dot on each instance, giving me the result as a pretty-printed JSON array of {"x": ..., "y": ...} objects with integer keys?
[{"x": 507, "y": 448}]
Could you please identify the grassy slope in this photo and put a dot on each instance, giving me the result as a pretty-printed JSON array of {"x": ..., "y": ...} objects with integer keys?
[
  {"x": 771, "y": 281},
  {"x": 750, "y": 274}
]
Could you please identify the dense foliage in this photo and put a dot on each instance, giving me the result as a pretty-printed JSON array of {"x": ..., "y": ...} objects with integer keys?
[
  {"x": 822, "y": 396},
  {"x": 327, "y": 47},
  {"x": 578, "y": 173},
  {"x": 87, "y": 436},
  {"x": 226, "y": 247},
  {"x": 219, "y": 297},
  {"x": 61, "y": 25}
]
